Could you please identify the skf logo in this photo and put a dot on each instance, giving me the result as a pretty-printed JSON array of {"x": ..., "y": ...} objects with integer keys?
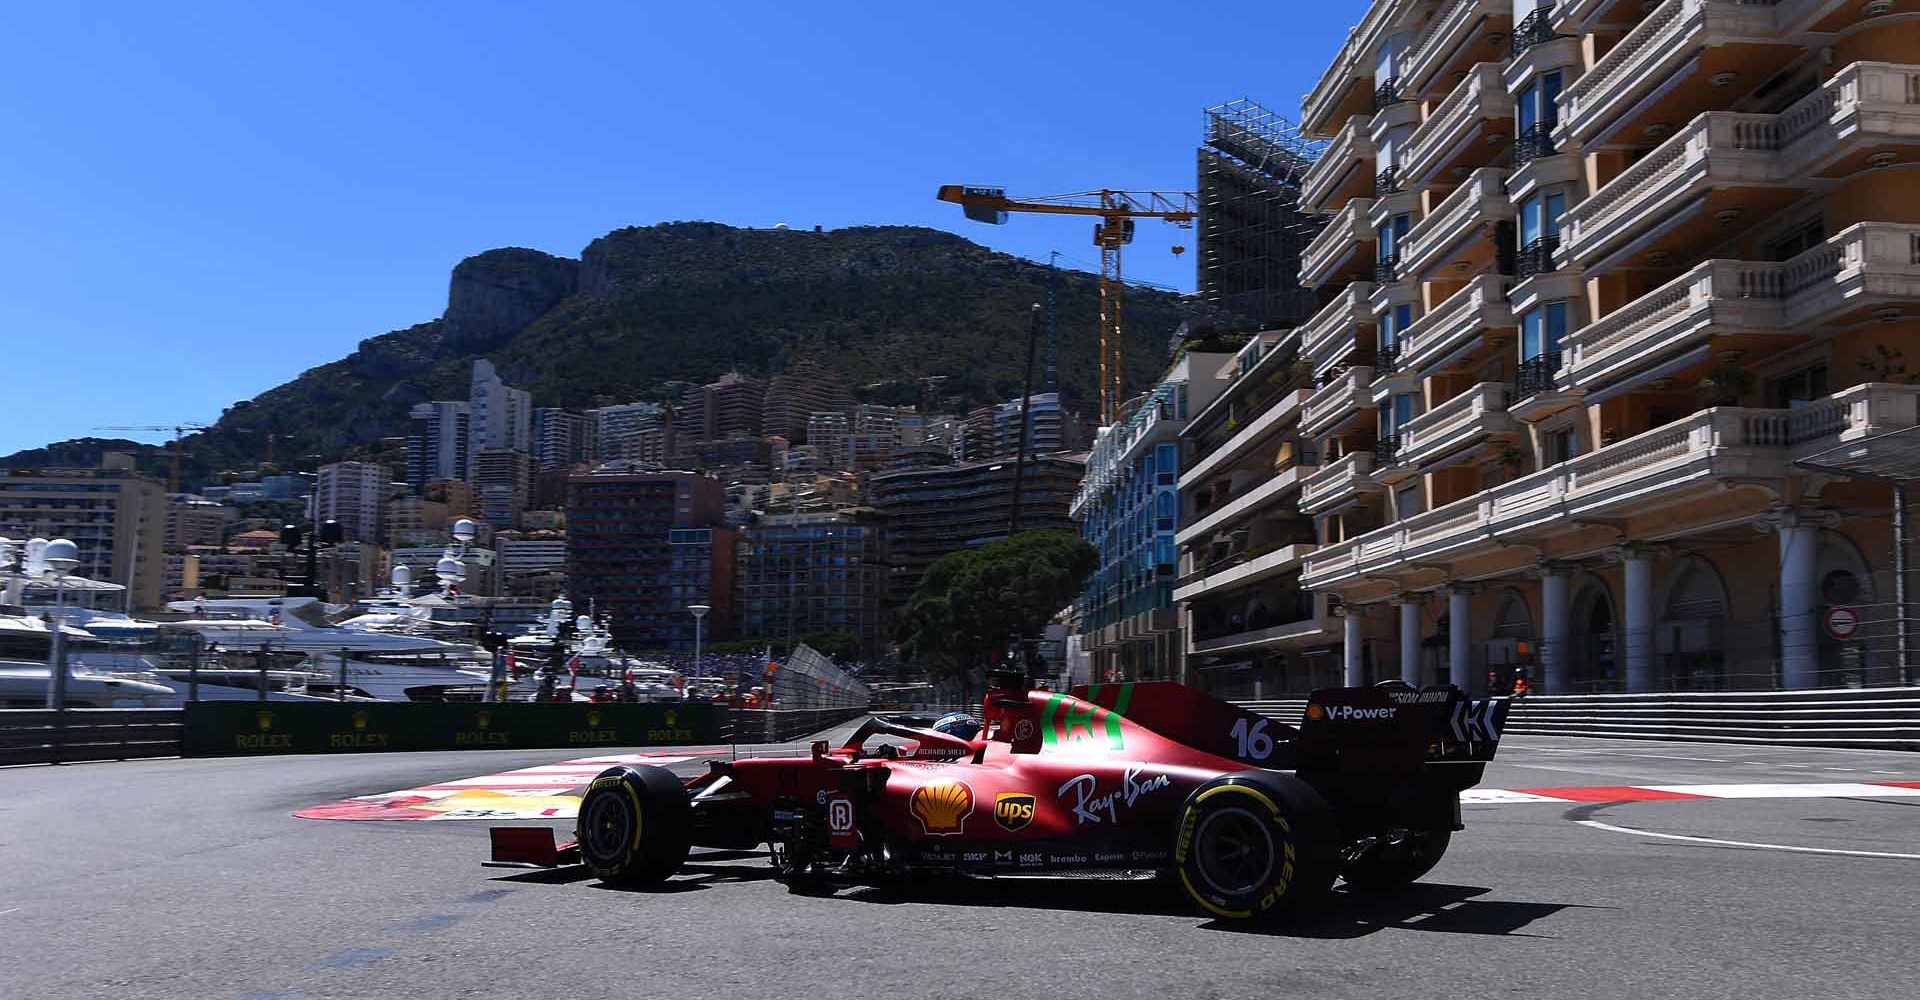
[
  {"x": 942, "y": 807},
  {"x": 1012, "y": 811},
  {"x": 264, "y": 719},
  {"x": 593, "y": 717},
  {"x": 360, "y": 718}
]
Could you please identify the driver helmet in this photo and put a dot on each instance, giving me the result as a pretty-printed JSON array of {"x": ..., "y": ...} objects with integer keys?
[{"x": 957, "y": 724}]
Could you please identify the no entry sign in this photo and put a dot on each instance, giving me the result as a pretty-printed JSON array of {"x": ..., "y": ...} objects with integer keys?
[{"x": 1842, "y": 623}]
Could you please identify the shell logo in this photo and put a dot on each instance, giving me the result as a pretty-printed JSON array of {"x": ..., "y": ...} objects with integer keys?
[
  {"x": 942, "y": 807},
  {"x": 1316, "y": 712}
]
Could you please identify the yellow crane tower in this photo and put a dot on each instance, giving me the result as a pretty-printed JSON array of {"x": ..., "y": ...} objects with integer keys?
[
  {"x": 179, "y": 431},
  {"x": 1116, "y": 212}
]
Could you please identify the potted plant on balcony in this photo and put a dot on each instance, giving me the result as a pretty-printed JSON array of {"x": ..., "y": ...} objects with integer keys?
[{"x": 1726, "y": 386}]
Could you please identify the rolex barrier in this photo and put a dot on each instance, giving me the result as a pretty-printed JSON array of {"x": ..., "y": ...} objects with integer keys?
[{"x": 226, "y": 728}]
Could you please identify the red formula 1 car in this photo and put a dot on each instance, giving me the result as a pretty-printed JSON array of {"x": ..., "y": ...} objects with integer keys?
[{"x": 1254, "y": 817}]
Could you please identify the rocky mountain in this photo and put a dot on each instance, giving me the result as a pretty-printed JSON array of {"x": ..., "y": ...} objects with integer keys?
[{"x": 688, "y": 301}]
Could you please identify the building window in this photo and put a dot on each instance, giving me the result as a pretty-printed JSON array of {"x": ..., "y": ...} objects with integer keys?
[
  {"x": 1537, "y": 105},
  {"x": 1166, "y": 464},
  {"x": 1796, "y": 241},
  {"x": 1406, "y": 502},
  {"x": 1541, "y": 330},
  {"x": 1540, "y": 216},
  {"x": 1799, "y": 388},
  {"x": 1560, "y": 445}
]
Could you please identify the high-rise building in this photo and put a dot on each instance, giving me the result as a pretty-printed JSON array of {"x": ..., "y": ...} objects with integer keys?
[
  {"x": 193, "y": 520},
  {"x": 812, "y": 573},
  {"x": 616, "y": 428},
  {"x": 827, "y": 434},
  {"x": 502, "y": 485},
  {"x": 993, "y": 431},
  {"x": 643, "y": 546},
  {"x": 731, "y": 407},
  {"x": 794, "y": 397},
  {"x": 351, "y": 493},
  {"x": 932, "y": 511},
  {"x": 502, "y": 416},
  {"x": 117, "y": 517},
  {"x": 1599, "y": 278},
  {"x": 562, "y": 438},
  {"x": 437, "y": 443},
  {"x": 1128, "y": 507}
]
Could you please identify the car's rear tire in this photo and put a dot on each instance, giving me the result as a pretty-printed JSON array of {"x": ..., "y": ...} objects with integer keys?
[
  {"x": 634, "y": 825},
  {"x": 1255, "y": 845},
  {"x": 1391, "y": 865}
]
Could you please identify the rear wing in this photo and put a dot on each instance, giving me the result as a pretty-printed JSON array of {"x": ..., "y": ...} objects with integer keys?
[{"x": 1395, "y": 728}]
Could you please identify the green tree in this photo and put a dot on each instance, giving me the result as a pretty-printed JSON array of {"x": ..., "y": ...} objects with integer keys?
[{"x": 971, "y": 603}]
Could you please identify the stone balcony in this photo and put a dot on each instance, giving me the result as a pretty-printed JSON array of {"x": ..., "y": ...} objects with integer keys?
[
  {"x": 1249, "y": 503},
  {"x": 1668, "y": 464},
  {"x": 1641, "y": 62},
  {"x": 1328, "y": 336},
  {"x": 1863, "y": 267},
  {"x": 1277, "y": 415},
  {"x": 1343, "y": 239},
  {"x": 1449, "y": 40},
  {"x": 1454, "y": 328},
  {"x": 1466, "y": 215},
  {"x": 1471, "y": 418},
  {"x": 1346, "y": 85},
  {"x": 1333, "y": 404},
  {"x": 1339, "y": 483},
  {"x": 1343, "y": 171},
  {"x": 1864, "y": 106},
  {"x": 1251, "y": 567},
  {"x": 1449, "y": 133}
]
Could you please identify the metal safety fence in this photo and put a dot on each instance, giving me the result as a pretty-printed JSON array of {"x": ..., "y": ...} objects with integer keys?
[{"x": 808, "y": 680}]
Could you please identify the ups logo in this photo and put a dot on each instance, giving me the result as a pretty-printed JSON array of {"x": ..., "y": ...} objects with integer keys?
[{"x": 1013, "y": 811}]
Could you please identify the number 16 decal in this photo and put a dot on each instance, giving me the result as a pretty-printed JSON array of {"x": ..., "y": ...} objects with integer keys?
[{"x": 1252, "y": 742}]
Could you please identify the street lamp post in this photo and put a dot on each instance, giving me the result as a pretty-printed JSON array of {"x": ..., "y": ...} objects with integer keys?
[
  {"x": 60, "y": 556},
  {"x": 699, "y": 621}
]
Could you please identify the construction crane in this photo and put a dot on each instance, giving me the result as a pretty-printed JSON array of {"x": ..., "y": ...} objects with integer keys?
[
  {"x": 1116, "y": 212},
  {"x": 179, "y": 431}
]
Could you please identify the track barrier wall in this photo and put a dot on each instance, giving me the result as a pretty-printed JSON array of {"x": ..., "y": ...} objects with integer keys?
[
  {"x": 36, "y": 736},
  {"x": 221, "y": 728}
]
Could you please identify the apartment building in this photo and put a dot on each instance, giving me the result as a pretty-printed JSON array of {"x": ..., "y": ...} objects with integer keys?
[
  {"x": 732, "y": 407},
  {"x": 813, "y": 573},
  {"x": 351, "y": 493},
  {"x": 1598, "y": 276},
  {"x": 437, "y": 443},
  {"x": 643, "y": 546},
  {"x": 1128, "y": 507},
  {"x": 193, "y": 520},
  {"x": 502, "y": 485},
  {"x": 116, "y": 516},
  {"x": 562, "y": 438},
  {"x": 933, "y": 510},
  {"x": 501, "y": 416},
  {"x": 795, "y": 396}
]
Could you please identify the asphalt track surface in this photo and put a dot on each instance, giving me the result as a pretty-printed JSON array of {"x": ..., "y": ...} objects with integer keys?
[{"x": 191, "y": 879}]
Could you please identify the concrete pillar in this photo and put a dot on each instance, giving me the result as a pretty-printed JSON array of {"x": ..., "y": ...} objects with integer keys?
[
  {"x": 1460, "y": 638},
  {"x": 1637, "y": 623},
  {"x": 1554, "y": 617},
  {"x": 1799, "y": 593},
  {"x": 1410, "y": 642},
  {"x": 1350, "y": 648}
]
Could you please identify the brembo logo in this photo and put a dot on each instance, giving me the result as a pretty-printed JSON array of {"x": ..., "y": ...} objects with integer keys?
[{"x": 1349, "y": 713}]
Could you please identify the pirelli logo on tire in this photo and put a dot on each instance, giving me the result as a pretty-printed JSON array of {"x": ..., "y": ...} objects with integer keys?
[{"x": 1013, "y": 811}]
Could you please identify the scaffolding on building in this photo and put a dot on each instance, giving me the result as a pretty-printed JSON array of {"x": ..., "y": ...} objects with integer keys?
[{"x": 1252, "y": 233}]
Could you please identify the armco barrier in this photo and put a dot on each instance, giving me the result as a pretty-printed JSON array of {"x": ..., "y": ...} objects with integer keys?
[
  {"x": 781, "y": 725},
  {"x": 1878, "y": 718},
  {"x": 36, "y": 736},
  {"x": 218, "y": 728}
]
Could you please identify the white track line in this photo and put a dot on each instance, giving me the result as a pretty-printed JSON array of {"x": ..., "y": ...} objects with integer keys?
[{"x": 1597, "y": 825}]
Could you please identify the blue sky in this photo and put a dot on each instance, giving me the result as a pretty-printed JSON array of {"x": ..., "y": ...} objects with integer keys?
[{"x": 200, "y": 201}]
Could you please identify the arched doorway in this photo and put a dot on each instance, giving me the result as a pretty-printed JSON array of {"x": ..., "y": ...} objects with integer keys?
[
  {"x": 1690, "y": 639},
  {"x": 1596, "y": 665},
  {"x": 1845, "y": 580}
]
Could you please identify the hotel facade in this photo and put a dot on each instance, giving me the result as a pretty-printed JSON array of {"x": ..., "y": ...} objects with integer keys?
[{"x": 1601, "y": 279}]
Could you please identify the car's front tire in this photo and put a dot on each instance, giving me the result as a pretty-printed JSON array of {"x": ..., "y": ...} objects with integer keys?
[
  {"x": 634, "y": 825},
  {"x": 1255, "y": 845}
]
